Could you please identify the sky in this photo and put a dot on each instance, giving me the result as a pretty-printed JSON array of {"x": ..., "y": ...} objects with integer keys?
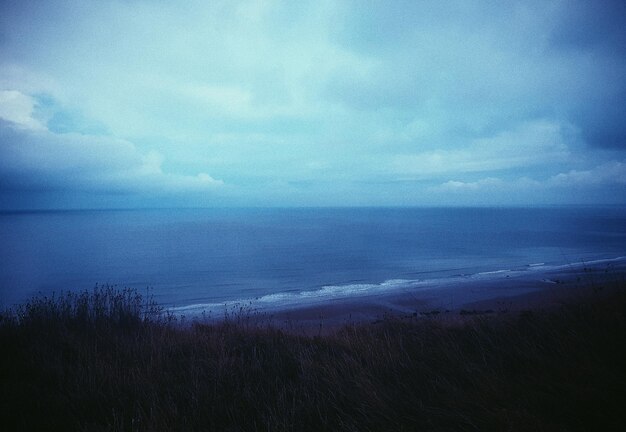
[{"x": 152, "y": 103}]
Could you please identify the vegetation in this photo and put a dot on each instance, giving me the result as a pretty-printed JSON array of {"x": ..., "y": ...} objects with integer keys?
[{"x": 107, "y": 360}]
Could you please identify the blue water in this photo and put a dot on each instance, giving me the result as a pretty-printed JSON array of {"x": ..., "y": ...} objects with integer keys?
[{"x": 211, "y": 256}]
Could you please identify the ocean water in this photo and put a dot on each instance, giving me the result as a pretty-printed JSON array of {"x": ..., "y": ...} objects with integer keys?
[{"x": 193, "y": 257}]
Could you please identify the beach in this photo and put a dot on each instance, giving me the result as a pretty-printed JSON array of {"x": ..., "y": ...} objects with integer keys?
[
  {"x": 520, "y": 353},
  {"x": 191, "y": 259},
  {"x": 511, "y": 291}
]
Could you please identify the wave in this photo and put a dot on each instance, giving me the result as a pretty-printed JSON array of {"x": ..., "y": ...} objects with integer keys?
[
  {"x": 303, "y": 298},
  {"x": 294, "y": 300}
]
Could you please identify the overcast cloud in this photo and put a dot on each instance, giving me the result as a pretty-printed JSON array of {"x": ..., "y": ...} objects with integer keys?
[{"x": 156, "y": 103}]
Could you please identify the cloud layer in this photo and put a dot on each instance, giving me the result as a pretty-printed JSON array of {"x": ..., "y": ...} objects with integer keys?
[
  {"x": 35, "y": 159},
  {"x": 314, "y": 103}
]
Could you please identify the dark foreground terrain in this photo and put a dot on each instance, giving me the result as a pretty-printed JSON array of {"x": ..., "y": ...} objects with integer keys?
[{"x": 107, "y": 361}]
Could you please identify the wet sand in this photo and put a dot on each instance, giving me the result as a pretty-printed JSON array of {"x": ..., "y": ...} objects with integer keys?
[{"x": 459, "y": 298}]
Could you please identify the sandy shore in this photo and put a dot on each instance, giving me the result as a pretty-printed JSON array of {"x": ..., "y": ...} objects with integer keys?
[{"x": 456, "y": 298}]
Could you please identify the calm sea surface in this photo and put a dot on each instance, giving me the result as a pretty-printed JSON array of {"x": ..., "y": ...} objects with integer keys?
[{"x": 210, "y": 256}]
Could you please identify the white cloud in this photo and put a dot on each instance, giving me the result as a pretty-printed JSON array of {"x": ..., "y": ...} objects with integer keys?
[
  {"x": 459, "y": 186},
  {"x": 608, "y": 178},
  {"x": 534, "y": 143},
  {"x": 610, "y": 173},
  {"x": 206, "y": 179},
  {"x": 279, "y": 92},
  {"x": 18, "y": 109},
  {"x": 34, "y": 158},
  {"x": 151, "y": 163}
]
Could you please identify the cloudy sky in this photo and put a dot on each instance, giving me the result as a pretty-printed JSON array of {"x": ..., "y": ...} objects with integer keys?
[{"x": 272, "y": 103}]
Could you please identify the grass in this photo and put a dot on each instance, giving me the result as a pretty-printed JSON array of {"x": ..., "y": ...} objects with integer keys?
[{"x": 108, "y": 360}]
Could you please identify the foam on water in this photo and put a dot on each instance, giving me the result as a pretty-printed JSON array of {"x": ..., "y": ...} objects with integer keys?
[
  {"x": 285, "y": 300},
  {"x": 288, "y": 300},
  {"x": 274, "y": 257}
]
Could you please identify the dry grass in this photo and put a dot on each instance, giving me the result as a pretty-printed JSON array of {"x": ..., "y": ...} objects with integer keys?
[{"x": 107, "y": 360}]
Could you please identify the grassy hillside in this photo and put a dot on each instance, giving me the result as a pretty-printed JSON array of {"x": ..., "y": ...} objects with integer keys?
[{"x": 107, "y": 361}]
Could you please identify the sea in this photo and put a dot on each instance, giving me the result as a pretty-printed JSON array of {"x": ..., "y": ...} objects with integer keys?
[{"x": 200, "y": 258}]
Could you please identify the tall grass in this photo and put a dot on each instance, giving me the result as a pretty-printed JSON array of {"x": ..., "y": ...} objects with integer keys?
[
  {"x": 107, "y": 361},
  {"x": 104, "y": 305}
]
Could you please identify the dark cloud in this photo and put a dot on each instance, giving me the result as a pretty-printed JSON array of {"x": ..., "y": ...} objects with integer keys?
[
  {"x": 604, "y": 125},
  {"x": 39, "y": 160},
  {"x": 590, "y": 25},
  {"x": 43, "y": 161},
  {"x": 142, "y": 96},
  {"x": 490, "y": 65},
  {"x": 596, "y": 31}
]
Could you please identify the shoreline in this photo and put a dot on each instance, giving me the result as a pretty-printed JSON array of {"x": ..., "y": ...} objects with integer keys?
[
  {"x": 98, "y": 361},
  {"x": 534, "y": 287}
]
